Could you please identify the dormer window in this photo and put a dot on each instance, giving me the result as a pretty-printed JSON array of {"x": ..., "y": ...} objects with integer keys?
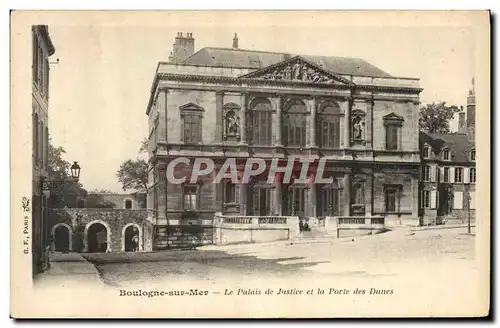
[
  {"x": 446, "y": 155},
  {"x": 426, "y": 153},
  {"x": 473, "y": 155}
]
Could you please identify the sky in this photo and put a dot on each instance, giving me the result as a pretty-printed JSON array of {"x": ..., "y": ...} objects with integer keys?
[{"x": 100, "y": 88}]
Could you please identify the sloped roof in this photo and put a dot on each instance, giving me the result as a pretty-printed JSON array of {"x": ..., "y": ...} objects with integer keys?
[
  {"x": 458, "y": 143},
  {"x": 241, "y": 58}
]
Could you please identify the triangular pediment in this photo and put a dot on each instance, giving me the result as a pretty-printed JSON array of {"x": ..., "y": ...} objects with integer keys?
[
  {"x": 192, "y": 107},
  {"x": 393, "y": 117},
  {"x": 297, "y": 69}
]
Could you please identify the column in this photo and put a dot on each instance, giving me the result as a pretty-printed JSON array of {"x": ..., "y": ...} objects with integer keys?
[
  {"x": 243, "y": 198},
  {"x": 162, "y": 111},
  {"x": 219, "y": 119},
  {"x": 243, "y": 119},
  {"x": 278, "y": 121},
  {"x": 369, "y": 124},
  {"x": 414, "y": 193},
  {"x": 347, "y": 194},
  {"x": 313, "y": 124},
  {"x": 369, "y": 194},
  {"x": 347, "y": 124},
  {"x": 313, "y": 203},
  {"x": 278, "y": 190}
]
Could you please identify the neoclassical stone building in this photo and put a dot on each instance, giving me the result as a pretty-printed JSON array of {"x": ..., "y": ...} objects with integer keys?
[{"x": 229, "y": 102}]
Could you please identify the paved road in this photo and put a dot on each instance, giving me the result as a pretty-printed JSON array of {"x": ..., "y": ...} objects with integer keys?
[{"x": 386, "y": 255}]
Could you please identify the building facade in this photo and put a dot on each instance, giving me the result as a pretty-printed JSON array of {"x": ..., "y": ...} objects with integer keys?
[
  {"x": 42, "y": 49},
  {"x": 232, "y": 103},
  {"x": 448, "y": 184}
]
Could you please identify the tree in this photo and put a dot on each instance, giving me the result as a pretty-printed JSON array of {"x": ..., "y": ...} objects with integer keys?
[
  {"x": 436, "y": 117},
  {"x": 64, "y": 190},
  {"x": 144, "y": 146},
  {"x": 133, "y": 175}
]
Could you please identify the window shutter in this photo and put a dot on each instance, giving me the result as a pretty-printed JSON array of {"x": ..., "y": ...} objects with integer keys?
[
  {"x": 432, "y": 173},
  {"x": 433, "y": 198},
  {"x": 452, "y": 174},
  {"x": 465, "y": 178},
  {"x": 458, "y": 201},
  {"x": 472, "y": 200}
]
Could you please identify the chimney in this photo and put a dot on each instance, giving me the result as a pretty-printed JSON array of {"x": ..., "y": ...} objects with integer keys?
[
  {"x": 471, "y": 112},
  {"x": 235, "y": 41},
  {"x": 182, "y": 48},
  {"x": 461, "y": 121}
]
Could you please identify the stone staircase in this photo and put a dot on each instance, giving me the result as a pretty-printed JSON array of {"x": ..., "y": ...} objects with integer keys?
[{"x": 315, "y": 234}]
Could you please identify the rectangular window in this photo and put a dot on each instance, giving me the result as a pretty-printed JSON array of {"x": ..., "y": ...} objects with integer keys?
[
  {"x": 294, "y": 201},
  {"x": 192, "y": 129},
  {"x": 426, "y": 199},
  {"x": 35, "y": 57},
  {"x": 259, "y": 201},
  {"x": 446, "y": 174},
  {"x": 329, "y": 202},
  {"x": 458, "y": 175},
  {"x": 472, "y": 175},
  {"x": 458, "y": 201},
  {"x": 190, "y": 198},
  {"x": 230, "y": 193},
  {"x": 392, "y": 198},
  {"x": 426, "y": 174},
  {"x": 391, "y": 137}
]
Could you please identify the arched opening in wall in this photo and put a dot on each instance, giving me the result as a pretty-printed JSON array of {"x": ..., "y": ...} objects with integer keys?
[
  {"x": 128, "y": 204},
  {"x": 62, "y": 237},
  {"x": 131, "y": 239},
  {"x": 97, "y": 238}
]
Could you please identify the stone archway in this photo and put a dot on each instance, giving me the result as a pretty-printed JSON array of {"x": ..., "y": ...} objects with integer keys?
[
  {"x": 129, "y": 230},
  {"x": 97, "y": 236},
  {"x": 62, "y": 238}
]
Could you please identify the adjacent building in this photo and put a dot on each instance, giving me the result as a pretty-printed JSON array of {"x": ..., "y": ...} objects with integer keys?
[
  {"x": 230, "y": 102},
  {"x": 448, "y": 184},
  {"x": 42, "y": 49}
]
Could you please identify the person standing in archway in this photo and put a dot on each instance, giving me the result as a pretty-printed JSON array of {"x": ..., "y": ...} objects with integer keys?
[{"x": 135, "y": 243}]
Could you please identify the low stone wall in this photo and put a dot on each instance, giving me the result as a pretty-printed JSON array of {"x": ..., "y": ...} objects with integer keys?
[
  {"x": 78, "y": 221},
  {"x": 354, "y": 225},
  {"x": 252, "y": 229}
]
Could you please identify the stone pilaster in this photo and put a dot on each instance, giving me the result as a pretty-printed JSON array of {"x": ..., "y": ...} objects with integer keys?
[
  {"x": 279, "y": 143},
  {"x": 347, "y": 194},
  {"x": 243, "y": 119},
  {"x": 243, "y": 198},
  {"x": 312, "y": 200},
  {"x": 219, "y": 116},
  {"x": 347, "y": 125},
  {"x": 278, "y": 198},
  {"x": 312, "y": 143},
  {"x": 369, "y": 194}
]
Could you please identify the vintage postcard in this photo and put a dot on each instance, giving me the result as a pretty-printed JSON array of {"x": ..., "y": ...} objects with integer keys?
[{"x": 250, "y": 164}]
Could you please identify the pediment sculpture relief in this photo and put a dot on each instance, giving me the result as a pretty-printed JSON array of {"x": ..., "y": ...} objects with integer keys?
[{"x": 295, "y": 70}]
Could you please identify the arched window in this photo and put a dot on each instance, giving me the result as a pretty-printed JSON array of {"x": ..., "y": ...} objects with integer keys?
[
  {"x": 261, "y": 122},
  {"x": 473, "y": 155},
  {"x": 294, "y": 123},
  {"x": 328, "y": 125},
  {"x": 128, "y": 204}
]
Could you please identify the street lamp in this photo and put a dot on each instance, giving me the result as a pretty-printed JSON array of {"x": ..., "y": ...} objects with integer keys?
[{"x": 48, "y": 184}]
